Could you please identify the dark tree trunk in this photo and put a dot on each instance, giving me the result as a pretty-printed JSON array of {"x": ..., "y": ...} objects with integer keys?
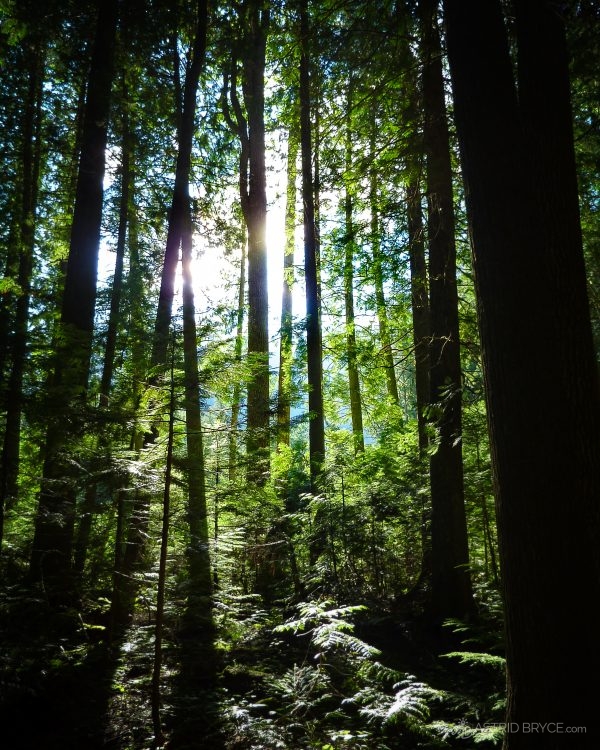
[
  {"x": 314, "y": 343},
  {"x": 451, "y": 594},
  {"x": 349, "y": 245},
  {"x": 199, "y": 560},
  {"x": 181, "y": 193},
  {"x": 519, "y": 170},
  {"x": 156, "y": 692},
  {"x": 53, "y": 538},
  {"x": 117, "y": 285}
]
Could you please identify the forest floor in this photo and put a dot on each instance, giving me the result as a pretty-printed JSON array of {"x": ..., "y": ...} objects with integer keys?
[{"x": 334, "y": 677}]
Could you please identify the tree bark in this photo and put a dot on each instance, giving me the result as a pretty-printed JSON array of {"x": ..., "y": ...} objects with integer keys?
[
  {"x": 382, "y": 315},
  {"x": 237, "y": 388},
  {"x": 53, "y": 538},
  {"x": 199, "y": 560},
  {"x": 314, "y": 343},
  {"x": 114, "y": 316},
  {"x": 181, "y": 193},
  {"x": 451, "y": 593},
  {"x": 349, "y": 245},
  {"x": 519, "y": 171},
  {"x": 255, "y": 212},
  {"x": 284, "y": 396}
]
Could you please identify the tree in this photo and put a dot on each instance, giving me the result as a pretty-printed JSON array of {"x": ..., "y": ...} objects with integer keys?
[
  {"x": 284, "y": 391},
  {"x": 451, "y": 583},
  {"x": 517, "y": 157},
  {"x": 314, "y": 343},
  {"x": 52, "y": 544},
  {"x": 349, "y": 245},
  {"x": 250, "y": 49}
]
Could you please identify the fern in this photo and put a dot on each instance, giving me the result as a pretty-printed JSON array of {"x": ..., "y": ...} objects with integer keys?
[
  {"x": 474, "y": 657},
  {"x": 409, "y": 705},
  {"x": 313, "y": 613},
  {"x": 490, "y": 733}
]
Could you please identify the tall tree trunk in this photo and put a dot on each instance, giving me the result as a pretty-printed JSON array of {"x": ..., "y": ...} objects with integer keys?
[
  {"x": 250, "y": 128},
  {"x": 237, "y": 388},
  {"x": 255, "y": 212},
  {"x": 31, "y": 163},
  {"x": 419, "y": 293},
  {"x": 53, "y": 538},
  {"x": 284, "y": 394},
  {"x": 156, "y": 693},
  {"x": 451, "y": 582},
  {"x": 519, "y": 169},
  {"x": 349, "y": 245},
  {"x": 89, "y": 504},
  {"x": 314, "y": 345},
  {"x": 181, "y": 193},
  {"x": 199, "y": 560},
  {"x": 114, "y": 316},
  {"x": 133, "y": 504},
  {"x": 382, "y": 316}
]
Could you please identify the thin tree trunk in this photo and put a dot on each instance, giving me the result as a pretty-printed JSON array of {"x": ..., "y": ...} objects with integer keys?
[
  {"x": 199, "y": 560},
  {"x": 181, "y": 194},
  {"x": 132, "y": 503},
  {"x": 285, "y": 351},
  {"x": 451, "y": 593},
  {"x": 314, "y": 343},
  {"x": 117, "y": 285},
  {"x": 237, "y": 388},
  {"x": 382, "y": 316},
  {"x": 349, "y": 245},
  {"x": 156, "y": 692},
  {"x": 420, "y": 307}
]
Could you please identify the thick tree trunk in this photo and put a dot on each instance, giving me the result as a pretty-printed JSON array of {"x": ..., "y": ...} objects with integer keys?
[
  {"x": 519, "y": 170},
  {"x": 53, "y": 538},
  {"x": 451, "y": 593},
  {"x": 255, "y": 212}
]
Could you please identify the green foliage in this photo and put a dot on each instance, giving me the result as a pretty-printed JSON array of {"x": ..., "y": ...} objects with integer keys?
[{"x": 474, "y": 657}]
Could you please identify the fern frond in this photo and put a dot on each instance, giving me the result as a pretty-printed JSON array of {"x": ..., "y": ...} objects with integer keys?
[
  {"x": 491, "y": 733},
  {"x": 475, "y": 657}
]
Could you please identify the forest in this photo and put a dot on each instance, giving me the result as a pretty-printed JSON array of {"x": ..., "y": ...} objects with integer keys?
[{"x": 299, "y": 386}]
